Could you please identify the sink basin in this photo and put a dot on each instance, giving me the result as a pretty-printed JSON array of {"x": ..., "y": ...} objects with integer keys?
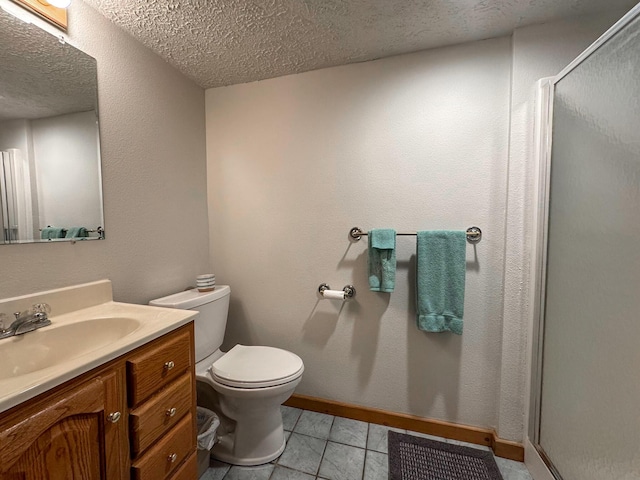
[
  {"x": 53, "y": 345},
  {"x": 88, "y": 330}
]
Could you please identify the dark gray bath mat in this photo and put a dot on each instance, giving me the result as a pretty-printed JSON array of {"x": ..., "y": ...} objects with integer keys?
[{"x": 415, "y": 458}]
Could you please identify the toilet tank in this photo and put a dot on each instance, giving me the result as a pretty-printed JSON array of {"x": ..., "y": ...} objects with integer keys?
[{"x": 211, "y": 323}]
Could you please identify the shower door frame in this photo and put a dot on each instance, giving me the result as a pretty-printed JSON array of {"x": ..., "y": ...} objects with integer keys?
[{"x": 544, "y": 132}]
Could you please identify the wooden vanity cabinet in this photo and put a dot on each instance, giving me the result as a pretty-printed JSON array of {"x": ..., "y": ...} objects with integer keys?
[
  {"x": 69, "y": 434},
  {"x": 89, "y": 428},
  {"x": 161, "y": 386}
]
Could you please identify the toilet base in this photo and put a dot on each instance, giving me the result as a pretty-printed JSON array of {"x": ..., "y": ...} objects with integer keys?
[
  {"x": 222, "y": 451},
  {"x": 251, "y": 430}
]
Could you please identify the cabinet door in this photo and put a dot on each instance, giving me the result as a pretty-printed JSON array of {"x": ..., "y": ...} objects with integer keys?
[{"x": 69, "y": 435}]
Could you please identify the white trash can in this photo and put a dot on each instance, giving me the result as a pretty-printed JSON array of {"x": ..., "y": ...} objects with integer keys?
[{"x": 208, "y": 422}]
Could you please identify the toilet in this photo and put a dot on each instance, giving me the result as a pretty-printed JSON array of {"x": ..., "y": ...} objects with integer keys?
[{"x": 244, "y": 386}]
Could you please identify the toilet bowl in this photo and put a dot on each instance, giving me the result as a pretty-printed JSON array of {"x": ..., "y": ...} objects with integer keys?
[
  {"x": 251, "y": 383},
  {"x": 244, "y": 386}
]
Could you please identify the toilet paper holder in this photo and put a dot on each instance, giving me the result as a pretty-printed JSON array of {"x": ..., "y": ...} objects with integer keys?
[{"x": 349, "y": 291}]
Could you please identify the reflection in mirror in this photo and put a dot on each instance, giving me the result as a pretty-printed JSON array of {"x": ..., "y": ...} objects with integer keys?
[{"x": 50, "y": 180}]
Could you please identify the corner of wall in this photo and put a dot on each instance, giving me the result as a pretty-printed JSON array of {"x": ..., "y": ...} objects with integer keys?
[{"x": 538, "y": 51}]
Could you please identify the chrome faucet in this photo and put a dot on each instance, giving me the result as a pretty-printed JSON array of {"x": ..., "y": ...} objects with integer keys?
[{"x": 27, "y": 321}]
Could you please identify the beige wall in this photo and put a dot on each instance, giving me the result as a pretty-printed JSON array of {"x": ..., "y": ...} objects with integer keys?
[
  {"x": 411, "y": 142},
  {"x": 153, "y": 167}
]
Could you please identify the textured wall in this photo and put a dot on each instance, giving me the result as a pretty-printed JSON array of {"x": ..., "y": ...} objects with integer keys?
[
  {"x": 153, "y": 165},
  {"x": 413, "y": 142},
  {"x": 538, "y": 51}
]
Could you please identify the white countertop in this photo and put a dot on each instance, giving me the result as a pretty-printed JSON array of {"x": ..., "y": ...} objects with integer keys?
[{"x": 153, "y": 323}]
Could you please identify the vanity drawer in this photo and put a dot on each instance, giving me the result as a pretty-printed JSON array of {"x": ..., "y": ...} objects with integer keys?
[
  {"x": 188, "y": 470},
  {"x": 161, "y": 412},
  {"x": 157, "y": 366},
  {"x": 167, "y": 454}
]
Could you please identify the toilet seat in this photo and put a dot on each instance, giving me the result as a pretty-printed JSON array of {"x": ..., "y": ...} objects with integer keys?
[{"x": 256, "y": 367}]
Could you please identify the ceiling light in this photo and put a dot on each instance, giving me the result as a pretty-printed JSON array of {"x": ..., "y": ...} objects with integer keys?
[{"x": 57, "y": 3}]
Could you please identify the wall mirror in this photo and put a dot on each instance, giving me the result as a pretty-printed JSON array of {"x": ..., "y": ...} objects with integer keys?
[{"x": 50, "y": 178}]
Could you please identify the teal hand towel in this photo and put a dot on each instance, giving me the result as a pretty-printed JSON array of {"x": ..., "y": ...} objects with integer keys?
[
  {"x": 75, "y": 232},
  {"x": 52, "y": 232},
  {"x": 382, "y": 260},
  {"x": 441, "y": 269}
]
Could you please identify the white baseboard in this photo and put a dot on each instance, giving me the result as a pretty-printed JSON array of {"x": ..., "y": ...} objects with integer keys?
[{"x": 537, "y": 468}]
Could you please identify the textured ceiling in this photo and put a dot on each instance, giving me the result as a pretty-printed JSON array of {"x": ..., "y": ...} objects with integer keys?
[
  {"x": 39, "y": 75},
  {"x": 223, "y": 42}
]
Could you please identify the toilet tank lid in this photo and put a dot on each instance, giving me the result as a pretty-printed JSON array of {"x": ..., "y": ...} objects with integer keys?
[{"x": 191, "y": 298}]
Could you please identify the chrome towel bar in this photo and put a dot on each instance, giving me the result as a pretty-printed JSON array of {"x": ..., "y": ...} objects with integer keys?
[{"x": 474, "y": 234}]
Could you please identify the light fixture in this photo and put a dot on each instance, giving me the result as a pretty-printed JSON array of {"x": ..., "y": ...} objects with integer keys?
[
  {"x": 53, "y": 11},
  {"x": 56, "y": 3},
  {"x": 60, "y": 3}
]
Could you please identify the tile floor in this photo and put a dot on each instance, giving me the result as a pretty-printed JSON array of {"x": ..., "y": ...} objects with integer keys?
[{"x": 322, "y": 446}]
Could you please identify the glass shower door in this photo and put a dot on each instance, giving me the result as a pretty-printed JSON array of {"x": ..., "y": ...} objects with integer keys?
[{"x": 589, "y": 404}]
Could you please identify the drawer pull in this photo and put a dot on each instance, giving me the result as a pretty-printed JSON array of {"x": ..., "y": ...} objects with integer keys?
[
  {"x": 114, "y": 417},
  {"x": 169, "y": 365},
  {"x": 171, "y": 412},
  {"x": 172, "y": 458}
]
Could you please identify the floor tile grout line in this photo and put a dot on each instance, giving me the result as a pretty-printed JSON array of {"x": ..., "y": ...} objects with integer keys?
[
  {"x": 324, "y": 450},
  {"x": 366, "y": 443},
  {"x": 275, "y": 465},
  {"x": 326, "y": 441},
  {"x": 294, "y": 469},
  {"x": 333, "y": 441},
  {"x": 290, "y": 433},
  {"x": 297, "y": 420}
]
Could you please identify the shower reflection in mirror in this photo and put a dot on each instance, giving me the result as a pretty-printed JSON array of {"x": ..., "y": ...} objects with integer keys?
[{"x": 17, "y": 209}]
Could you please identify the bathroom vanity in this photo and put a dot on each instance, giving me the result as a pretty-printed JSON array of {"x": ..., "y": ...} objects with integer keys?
[{"x": 124, "y": 409}]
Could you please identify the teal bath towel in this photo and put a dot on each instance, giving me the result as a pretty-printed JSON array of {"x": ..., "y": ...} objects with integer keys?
[
  {"x": 440, "y": 271},
  {"x": 75, "y": 232},
  {"x": 52, "y": 232},
  {"x": 382, "y": 260}
]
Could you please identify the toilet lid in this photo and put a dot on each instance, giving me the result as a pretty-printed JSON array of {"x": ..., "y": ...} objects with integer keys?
[{"x": 256, "y": 367}]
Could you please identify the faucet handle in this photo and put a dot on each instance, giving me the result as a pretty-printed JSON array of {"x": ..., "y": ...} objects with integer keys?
[
  {"x": 3, "y": 319},
  {"x": 41, "y": 308},
  {"x": 40, "y": 312}
]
